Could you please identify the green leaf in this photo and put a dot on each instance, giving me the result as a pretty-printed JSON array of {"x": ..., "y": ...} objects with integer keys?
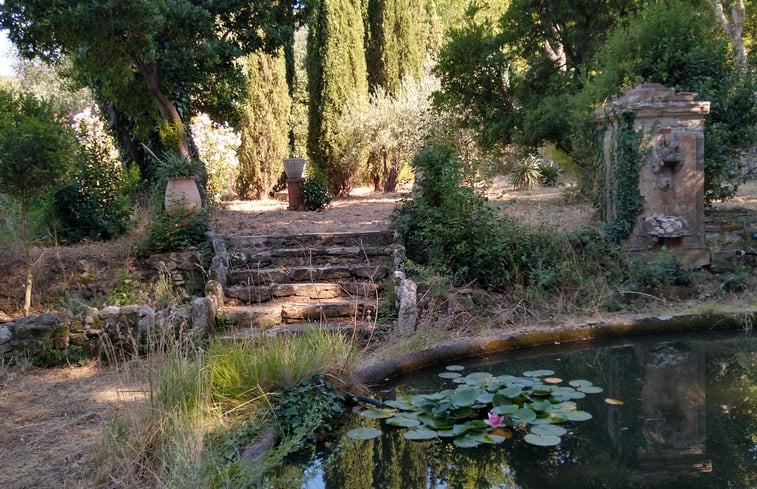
[
  {"x": 419, "y": 435},
  {"x": 378, "y": 413},
  {"x": 403, "y": 421},
  {"x": 450, "y": 375},
  {"x": 455, "y": 368},
  {"x": 578, "y": 416},
  {"x": 477, "y": 377},
  {"x": 485, "y": 397},
  {"x": 539, "y": 373},
  {"x": 505, "y": 409},
  {"x": 548, "y": 429},
  {"x": 511, "y": 392},
  {"x": 591, "y": 389},
  {"x": 466, "y": 443},
  {"x": 580, "y": 383},
  {"x": 364, "y": 433},
  {"x": 464, "y": 397},
  {"x": 523, "y": 415},
  {"x": 542, "y": 440}
]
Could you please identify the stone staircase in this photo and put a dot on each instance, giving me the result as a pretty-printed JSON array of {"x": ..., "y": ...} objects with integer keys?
[{"x": 275, "y": 283}]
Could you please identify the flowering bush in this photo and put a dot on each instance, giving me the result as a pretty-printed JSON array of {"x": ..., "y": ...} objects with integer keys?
[
  {"x": 96, "y": 202},
  {"x": 217, "y": 145}
]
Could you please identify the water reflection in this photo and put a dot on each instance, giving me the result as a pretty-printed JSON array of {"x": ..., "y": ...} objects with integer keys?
[{"x": 688, "y": 418}]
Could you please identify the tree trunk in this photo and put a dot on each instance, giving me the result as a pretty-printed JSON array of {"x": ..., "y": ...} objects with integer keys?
[
  {"x": 151, "y": 74},
  {"x": 733, "y": 27},
  {"x": 27, "y": 255},
  {"x": 392, "y": 174}
]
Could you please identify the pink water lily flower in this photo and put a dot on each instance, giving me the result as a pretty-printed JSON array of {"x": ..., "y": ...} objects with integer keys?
[{"x": 495, "y": 420}]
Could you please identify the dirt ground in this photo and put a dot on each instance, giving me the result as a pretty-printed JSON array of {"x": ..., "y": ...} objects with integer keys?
[{"x": 52, "y": 420}]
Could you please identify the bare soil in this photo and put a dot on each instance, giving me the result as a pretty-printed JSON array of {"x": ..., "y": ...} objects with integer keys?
[{"x": 51, "y": 422}]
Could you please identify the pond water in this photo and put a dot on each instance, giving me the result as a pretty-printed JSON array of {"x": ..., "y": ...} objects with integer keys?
[{"x": 688, "y": 419}]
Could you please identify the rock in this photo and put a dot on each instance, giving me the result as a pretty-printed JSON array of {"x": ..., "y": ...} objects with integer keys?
[
  {"x": 5, "y": 334},
  {"x": 109, "y": 313},
  {"x": 37, "y": 327},
  {"x": 61, "y": 337},
  {"x": 146, "y": 321},
  {"x": 214, "y": 289},
  {"x": 203, "y": 317},
  {"x": 407, "y": 293}
]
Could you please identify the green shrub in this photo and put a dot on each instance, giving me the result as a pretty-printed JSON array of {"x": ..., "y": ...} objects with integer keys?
[
  {"x": 450, "y": 227},
  {"x": 175, "y": 230},
  {"x": 316, "y": 194}
]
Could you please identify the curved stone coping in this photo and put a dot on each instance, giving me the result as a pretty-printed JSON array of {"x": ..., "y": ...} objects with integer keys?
[{"x": 380, "y": 372}]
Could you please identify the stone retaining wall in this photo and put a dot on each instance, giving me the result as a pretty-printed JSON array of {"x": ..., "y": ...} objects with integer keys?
[{"x": 113, "y": 329}]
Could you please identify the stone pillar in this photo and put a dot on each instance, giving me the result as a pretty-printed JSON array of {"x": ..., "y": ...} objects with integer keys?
[
  {"x": 294, "y": 188},
  {"x": 671, "y": 170}
]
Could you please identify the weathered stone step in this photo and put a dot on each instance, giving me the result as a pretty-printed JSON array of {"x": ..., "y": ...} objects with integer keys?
[
  {"x": 322, "y": 255},
  {"x": 360, "y": 239},
  {"x": 255, "y": 294},
  {"x": 293, "y": 312},
  {"x": 330, "y": 273}
]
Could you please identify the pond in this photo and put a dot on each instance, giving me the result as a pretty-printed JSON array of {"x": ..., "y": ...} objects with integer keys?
[{"x": 688, "y": 417}]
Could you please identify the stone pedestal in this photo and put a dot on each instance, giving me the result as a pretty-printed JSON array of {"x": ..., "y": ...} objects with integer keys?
[
  {"x": 671, "y": 170},
  {"x": 294, "y": 189}
]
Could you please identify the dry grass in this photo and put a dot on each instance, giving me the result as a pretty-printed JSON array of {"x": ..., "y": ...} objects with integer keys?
[{"x": 53, "y": 420}]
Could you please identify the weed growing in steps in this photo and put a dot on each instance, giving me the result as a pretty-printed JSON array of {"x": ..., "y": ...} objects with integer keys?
[{"x": 204, "y": 405}]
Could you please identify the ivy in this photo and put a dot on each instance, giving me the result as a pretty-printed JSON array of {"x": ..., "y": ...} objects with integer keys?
[{"x": 624, "y": 198}]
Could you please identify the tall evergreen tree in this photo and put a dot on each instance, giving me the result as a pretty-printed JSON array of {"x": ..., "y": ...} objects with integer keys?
[
  {"x": 391, "y": 48},
  {"x": 265, "y": 129},
  {"x": 336, "y": 73}
]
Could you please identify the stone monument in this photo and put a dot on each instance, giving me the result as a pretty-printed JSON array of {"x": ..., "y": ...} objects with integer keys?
[{"x": 671, "y": 169}]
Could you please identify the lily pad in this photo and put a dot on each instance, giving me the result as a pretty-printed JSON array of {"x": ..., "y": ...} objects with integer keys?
[
  {"x": 511, "y": 392},
  {"x": 403, "y": 421},
  {"x": 466, "y": 443},
  {"x": 450, "y": 375},
  {"x": 614, "y": 402},
  {"x": 419, "y": 435},
  {"x": 504, "y": 409},
  {"x": 539, "y": 373},
  {"x": 580, "y": 383},
  {"x": 591, "y": 389},
  {"x": 364, "y": 433},
  {"x": 378, "y": 413},
  {"x": 523, "y": 415},
  {"x": 455, "y": 368},
  {"x": 464, "y": 397},
  {"x": 548, "y": 429},
  {"x": 579, "y": 416},
  {"x": 477, "y": 377},
  {"x": 542, "y": 440}
]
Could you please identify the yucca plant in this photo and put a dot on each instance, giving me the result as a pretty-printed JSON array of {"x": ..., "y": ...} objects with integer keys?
[
  {"x": 549, "y": 173},
  {"x": 525, "y": 174}
]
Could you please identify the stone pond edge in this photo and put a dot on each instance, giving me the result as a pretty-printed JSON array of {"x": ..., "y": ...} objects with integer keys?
[{"x": 541, "y": 336}]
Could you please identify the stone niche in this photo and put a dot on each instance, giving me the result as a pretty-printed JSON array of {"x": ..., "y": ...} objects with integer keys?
[{"x": 671, "y": 170}]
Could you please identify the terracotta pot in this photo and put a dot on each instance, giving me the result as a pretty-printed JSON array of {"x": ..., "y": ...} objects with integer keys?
[
  {"x": 294, "y": 167},
  {"x": 182, "y": 194}
]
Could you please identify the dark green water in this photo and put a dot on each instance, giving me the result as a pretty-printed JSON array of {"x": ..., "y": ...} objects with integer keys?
[{"x": 689, "y": 420}]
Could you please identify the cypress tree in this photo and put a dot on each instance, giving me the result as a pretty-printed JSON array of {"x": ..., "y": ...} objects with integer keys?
[
  {"x": 336, "y": 73},
  {"x": 265, "y": 128},
  {"x": 391, "y": 49}
]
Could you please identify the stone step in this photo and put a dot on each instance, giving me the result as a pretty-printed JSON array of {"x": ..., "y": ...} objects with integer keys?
[
  {"x": 330, "y": 273},
  {"x": 310, "y": 256},
  {"x": 349, "y": 239},
  {"x": 278, "y": 313},
  {"x": 255, "y": 294}
]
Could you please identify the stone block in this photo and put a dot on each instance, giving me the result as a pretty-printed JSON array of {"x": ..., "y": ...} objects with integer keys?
[
  {"x": 61, "y": 337},
  {"x": 34, "y": 327},
  {"x": 203, "y": 316}
]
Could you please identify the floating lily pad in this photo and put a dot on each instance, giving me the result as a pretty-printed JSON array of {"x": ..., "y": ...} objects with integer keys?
[
  {"x": 614, "y": 402},
  {"x": 552, "y": 380},
  {"x": 548, "y": 429},
  {"x": 450, "y": 375},
  {"x": 505, "y": 409},
  {"x": 464, "y": 397},
  {"x": 364, "y": 433},
  {"x": 455, "y": 368},
  {"x": 399, "y": 404},
  {"x": 591, "y": 389},
  {"x": 523, "y": 415},
  {"x": 477, "y": 377},
  {"x": 466, "y": 443},
  {"x": 403, "y": 421},
  {"x": 542, "y": 440},
  {"x": 579, "y": 416},
  {"x": 580, "y": 383},
  {"x": 539, "y": 373},
  {"x": 378, "y": 413},
  {"x": 485, "y": 397},
  {"x": 511, "y": 392},
  {"x": 419, "y": 435}
]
